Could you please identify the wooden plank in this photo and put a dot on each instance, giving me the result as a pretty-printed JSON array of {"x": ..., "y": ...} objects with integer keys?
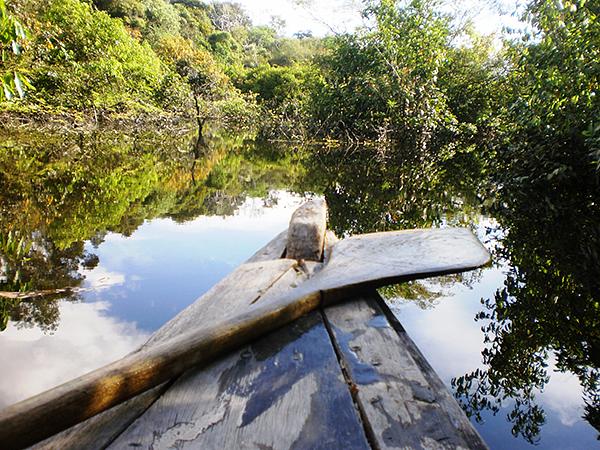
[
  {"x": 400, "y": 404},
  {"x": 306, "y": 233},
  {"x": 273, "y": 250},
  {"x": 446, "y": 401},
  {"x": 100, "y": 430},
  {"x": 285, "y": 391}
]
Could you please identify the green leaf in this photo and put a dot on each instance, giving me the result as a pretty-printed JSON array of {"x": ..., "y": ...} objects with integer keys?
[{"x": 19, "y": 85}]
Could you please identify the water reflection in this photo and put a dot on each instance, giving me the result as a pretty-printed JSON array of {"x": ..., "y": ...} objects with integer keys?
[
  {"x": 167, "y": 265},
  {"x": 541, "y": 312},
  {"x": 139, "y": 226},
  {"x": 60, "y": 191},
  {"x": 368, "y": 189},
  {"x": 33, "y": 361},
  {"x": 452, "y": 342},
  {"x": 140, "y": 282}
]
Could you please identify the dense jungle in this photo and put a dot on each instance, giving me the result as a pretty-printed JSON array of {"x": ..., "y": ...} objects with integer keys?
[{"x": 117, "y": 113}]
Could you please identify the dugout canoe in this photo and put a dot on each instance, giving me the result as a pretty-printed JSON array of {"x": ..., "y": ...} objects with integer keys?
[{"x": 303, "y": 270}]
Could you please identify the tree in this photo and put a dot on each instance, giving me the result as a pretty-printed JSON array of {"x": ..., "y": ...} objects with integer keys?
[
  {"x": 381, "y": 84},
  {"x": 547, "y": 179},
  {"x": 227, "y": 16}
]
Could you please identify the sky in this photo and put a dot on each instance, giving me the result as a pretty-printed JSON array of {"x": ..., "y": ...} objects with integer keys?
[{"x": 323, "y": 17}]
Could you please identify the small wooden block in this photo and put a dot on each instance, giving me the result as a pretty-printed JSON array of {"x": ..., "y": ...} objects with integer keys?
[{"x": 306, "y": 234}]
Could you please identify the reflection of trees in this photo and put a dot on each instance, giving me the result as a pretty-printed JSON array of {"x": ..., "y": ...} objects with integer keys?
[
  {"x": 58, "y": 192},
  {"x": 550, "y": 302},
  {"x": 37, "y": 264},
  {"x": 369, "y": 189},
  {"x": 425, "y": 294}
]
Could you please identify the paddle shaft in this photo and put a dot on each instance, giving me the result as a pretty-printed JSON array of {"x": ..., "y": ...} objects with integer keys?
[{"x": 46, "y": 414}]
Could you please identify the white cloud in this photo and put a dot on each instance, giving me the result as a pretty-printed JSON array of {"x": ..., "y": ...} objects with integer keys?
[
  {"x": 86, "y": 339},
  {"x": 563, "y": 395},
  {"x": 100, "y": 278}
]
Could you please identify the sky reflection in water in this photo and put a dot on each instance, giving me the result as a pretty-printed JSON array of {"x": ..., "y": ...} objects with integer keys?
[
  {"x": 141, "y": 282},
  {"x": 145, "y": 279}
]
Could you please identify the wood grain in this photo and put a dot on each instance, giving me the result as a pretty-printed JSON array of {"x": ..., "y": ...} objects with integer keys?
[
  {"x": 400, "y": 405},
  {"x": 39, "y": 417},
  {"x": 104, "y": 428},
  {"x": 285, "y": 391},
  {"x": 306, "y": 233},
  {"x": 100, "y": 430}
]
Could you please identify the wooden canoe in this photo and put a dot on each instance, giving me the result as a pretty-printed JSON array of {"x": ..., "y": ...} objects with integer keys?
[{"x": 260, "y": 296}]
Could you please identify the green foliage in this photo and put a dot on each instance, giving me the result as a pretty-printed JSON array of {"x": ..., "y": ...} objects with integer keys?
[
  {"x": 81, "y": 58},
  {"x": 13, "y": 251},
  {"x": 383, "y": 84},
  {"x": 471, "y": 79},
  {"x": 547, "y": 183},
  {"x": 152, "y": 18},
  {"x": 285, "y": 94},
  {"x": 195, "y": 23},
  {"x": 12, "y": 34},
  {"x": 554, "y": 105},
  {"x": 128, "y": 56}
]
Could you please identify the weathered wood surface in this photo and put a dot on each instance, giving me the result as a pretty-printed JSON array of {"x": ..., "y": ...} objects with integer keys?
[
  {"x": 286, "y": 391},
  {"x": 403, "y": 402},
  {"x": 41, "y": 416},
  {"x": 377, "y": 259},
  {"x": 100, "y": 430},
  {"x": 306, "y": 233},
  {"x": 233, "y": 403}
]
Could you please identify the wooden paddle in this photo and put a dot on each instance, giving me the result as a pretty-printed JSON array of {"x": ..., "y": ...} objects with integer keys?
[{"x": 366, "y": 260}]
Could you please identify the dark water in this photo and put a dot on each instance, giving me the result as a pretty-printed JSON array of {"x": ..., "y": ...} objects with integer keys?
[{"x": 139, "y": 226}]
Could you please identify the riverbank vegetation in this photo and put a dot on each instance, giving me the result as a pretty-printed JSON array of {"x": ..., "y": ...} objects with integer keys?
[{"x": 417, "y": 113}]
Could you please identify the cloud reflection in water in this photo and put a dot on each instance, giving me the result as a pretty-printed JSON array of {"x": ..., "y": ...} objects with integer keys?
[{"x": 86, "y": 339}]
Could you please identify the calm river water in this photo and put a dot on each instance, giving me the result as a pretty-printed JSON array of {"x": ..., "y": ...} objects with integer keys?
[{"x": 139, "y": 227}]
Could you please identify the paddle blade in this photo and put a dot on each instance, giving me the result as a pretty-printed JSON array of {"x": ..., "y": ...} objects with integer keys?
[{"x": 380, "y": 258}]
